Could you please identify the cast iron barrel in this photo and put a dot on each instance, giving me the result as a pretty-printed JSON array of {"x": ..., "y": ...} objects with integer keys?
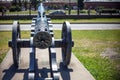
[{"x": 42, "y": 38}]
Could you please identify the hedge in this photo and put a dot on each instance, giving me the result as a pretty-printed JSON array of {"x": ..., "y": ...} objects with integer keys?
[{"x": 15, "y": 8}]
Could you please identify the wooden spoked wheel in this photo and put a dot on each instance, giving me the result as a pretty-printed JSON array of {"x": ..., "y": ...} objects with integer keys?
[
  {"x": 15, "y": 47},
  {"x": 66, "y": 43}
]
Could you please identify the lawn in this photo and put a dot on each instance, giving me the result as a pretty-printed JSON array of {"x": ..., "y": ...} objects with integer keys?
[
  {"x": 98, "y": 20},
  {"x": 48, "y": 12},
  {"x": 89, "y": 48},
  {"x": 94, "y": 20},
  {"x": 4, "y": 38}
]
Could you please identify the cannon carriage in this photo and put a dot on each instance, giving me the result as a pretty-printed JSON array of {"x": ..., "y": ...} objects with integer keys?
[{"x": 42, "y": 37}]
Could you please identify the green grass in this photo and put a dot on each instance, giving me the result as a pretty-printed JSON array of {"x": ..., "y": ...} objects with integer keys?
[
  {"x": 87, "y": 20},
  {"x": 49, "y": 11},
  {"x": 88, "y": 47},
  {"x": 70, "y": 20},
  {"x": 4, "y": 38},
  {"x": 11, "y": 21},
  {"x": 22, "y": 12}
]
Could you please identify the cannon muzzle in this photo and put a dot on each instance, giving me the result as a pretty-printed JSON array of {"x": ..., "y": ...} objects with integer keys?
[{"x": 42, "y": 40}]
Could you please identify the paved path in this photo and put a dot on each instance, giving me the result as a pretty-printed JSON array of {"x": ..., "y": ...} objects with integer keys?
[
  {"x": 73, "y": 26},
  {"x": 75, "y": 71}
]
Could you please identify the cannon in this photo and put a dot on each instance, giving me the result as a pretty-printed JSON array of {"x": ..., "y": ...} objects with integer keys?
[{"x": 42, "y": 37}]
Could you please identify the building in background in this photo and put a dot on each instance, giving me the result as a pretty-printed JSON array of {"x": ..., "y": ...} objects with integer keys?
[
  {"x": 109, "y": 4},
  {"x": 60, "y": 4},
  {"x": 46, "y": 0},
  {"x": 61, "y": 1},
  {"x": 49, "y": 4},
  {"x": 6, "y": 3}
]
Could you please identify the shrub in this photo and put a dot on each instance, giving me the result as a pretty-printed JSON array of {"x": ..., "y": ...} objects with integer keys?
[
  {"x": 18, "y": 8},
  {"x": 82, "y": 11},
  {"x": 109, "y": 11},
  {"x": 2, "y": 8},
  {"x": 12, "y": 8},
  {"x": 15, "y": 8}
]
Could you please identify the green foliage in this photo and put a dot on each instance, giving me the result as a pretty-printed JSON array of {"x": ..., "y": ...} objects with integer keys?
[
  {"x": 83, "y": 11},
  {"x": 25, "y": 4},
  {"x": 34, "y": 3},
  {"x": 109, "y": 11},
  {"x": 15, "y": 8},
  {"x": 2, "y": 8},
  {"x": 80, "y": 4}
]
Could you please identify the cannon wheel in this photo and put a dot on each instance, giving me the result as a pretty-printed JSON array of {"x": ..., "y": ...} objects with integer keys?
[
  {"x": 67, "y": 43},
  {"x": 15, "y": 48}
]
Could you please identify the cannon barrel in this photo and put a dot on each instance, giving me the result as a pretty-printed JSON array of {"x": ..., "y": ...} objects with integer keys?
[{"x": 42, "y": 38}]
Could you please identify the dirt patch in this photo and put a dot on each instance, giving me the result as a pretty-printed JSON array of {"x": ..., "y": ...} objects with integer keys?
[
  {"x": 2, "y": 51},
  {"x": 111, "y": 53}
]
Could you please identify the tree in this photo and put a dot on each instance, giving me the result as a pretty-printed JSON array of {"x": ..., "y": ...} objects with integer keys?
[
  {"x": 14, "y": 2},
  {"x": 34, "y": 3},
  {"x": 69, "y": 8},
  {"x": 25, "y": 4},
  {"x": 19, "y": 3},
  {"x": 2, "y": 9},
  {"x": 80, "y": 5}
]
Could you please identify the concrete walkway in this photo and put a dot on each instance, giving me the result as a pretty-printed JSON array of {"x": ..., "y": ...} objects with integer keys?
[{"x": 75, "y": 71}]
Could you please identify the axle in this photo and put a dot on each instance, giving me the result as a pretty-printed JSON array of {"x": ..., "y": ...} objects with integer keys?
[{"x": 25, "y": 43}]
